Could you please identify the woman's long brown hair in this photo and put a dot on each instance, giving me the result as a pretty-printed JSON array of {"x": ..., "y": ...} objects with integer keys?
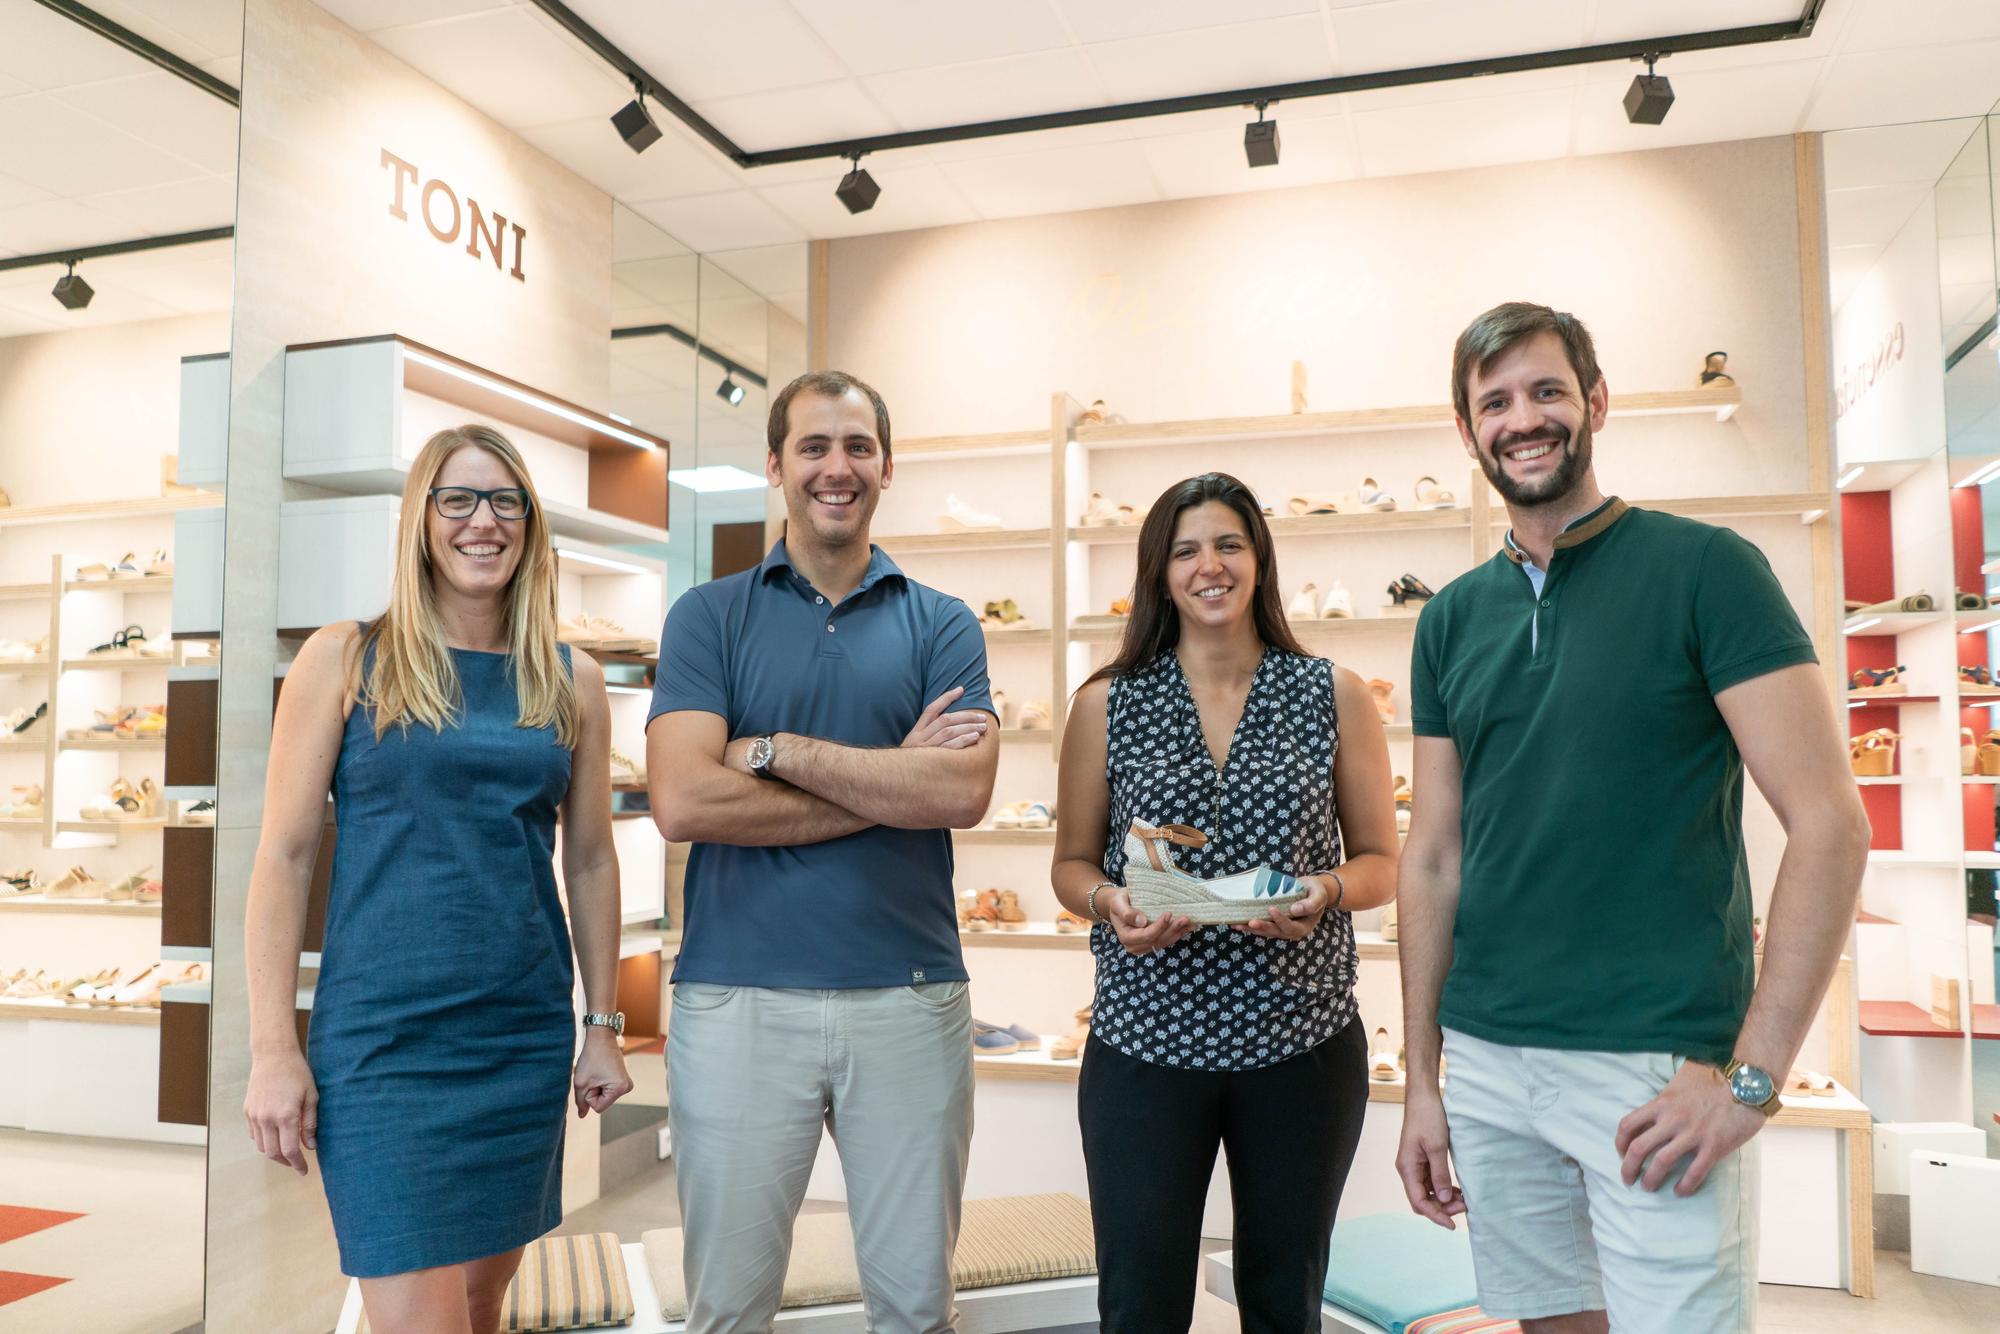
[{"x": 1155, "y": 626}]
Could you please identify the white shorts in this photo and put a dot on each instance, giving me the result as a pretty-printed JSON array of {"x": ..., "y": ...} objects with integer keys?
[{"x": 1554, "y": 1227}]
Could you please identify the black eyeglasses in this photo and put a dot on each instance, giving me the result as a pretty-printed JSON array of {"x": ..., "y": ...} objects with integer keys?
[{"x": 459, "y": 502}]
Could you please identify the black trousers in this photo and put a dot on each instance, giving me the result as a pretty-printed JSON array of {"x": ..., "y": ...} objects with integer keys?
[{"x": 1150, "y": 1134}]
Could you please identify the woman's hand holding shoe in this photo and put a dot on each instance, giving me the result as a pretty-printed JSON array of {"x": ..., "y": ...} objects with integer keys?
[
  {"x": 1136, "y": 932},
  {"x": 599, "y": 1079},
  {"x": 282, "y": 1108},
  {"x": 1300, "y": 919}
]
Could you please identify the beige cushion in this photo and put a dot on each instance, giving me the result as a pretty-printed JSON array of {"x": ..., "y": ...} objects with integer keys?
[
  {"x": 565, "y": 1283},
  {"x": 1017, "y": 1239}
]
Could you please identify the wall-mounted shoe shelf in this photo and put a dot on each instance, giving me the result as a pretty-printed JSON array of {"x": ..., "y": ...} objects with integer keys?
[
  {"x": 38, "y": 903},
  {"x": 98, "y": 511},
  {"x": 1889, "y": 624}
]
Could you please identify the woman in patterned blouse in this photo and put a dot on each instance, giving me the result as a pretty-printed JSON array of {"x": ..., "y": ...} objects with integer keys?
[{"x": 1243, "y": 1037}]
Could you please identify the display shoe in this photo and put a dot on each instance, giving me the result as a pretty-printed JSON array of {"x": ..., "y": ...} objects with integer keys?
[
  {"x": 94, "y": 573},
  {"x": 625, "y": 771},
  {"x": 1977, "y": 682},
  {"x": 140, "y": 802},
  {"x": 23, "y": 881},
  {"x": 1405, "y": 800},
  {"x": 105, "y": 804},
  {"x": 1306, "y": 605},
  {"x": 1156, "y": 886},
  {"x": 1431, "y": 496},
  {"x": 1988, "y": 759},
  {"x": 1385, "y": 698},
  {"x": 1382, "y": 1058},
  {"x": 1809, "y": 1084},
  {"x": 27, "y": 988},
  {"x": 1069, "y": 924},
  {"x": 1388, "y": 925},
  {"x": 968, "y": 907},
  {"x": 127, "y": 567},
  {"x": 1034, "y": 716},
  {"x": 104, "y": 729},
  {"x": 143, "y": 987},
  {"x": 1008, "y": 816},
  {"x": 1968, "y": 753},
  {"x": 1009, "y": 911},
  {"x": 159, "y": 565},
  {"x": 1873, "y": 754},
  {"x": 75, "y": 883},
  {"x": 1339, "y": 604},
  {"x": 993, "y": 1042},
  {"x": 959, "y": 517},
  {"x": 1121, "y": 606},
  {"x": 1101, "y": 513},
  {"x": 201, "y": 813},
  {"x": 1028, "y": 1039},
  {"x": 1415, "y": 590},
  {"x": 1004, "y": 615},
  {"x": 124, "y": 891},
  {"x": 15, "y": 653},
  {"x": 1092, "y": 415},
  {"x": 1878, "y": 681},
  {"x": 24, "y": 720},
  {"x": 1037, "y": 815},
  {"x": 587, "y": 631},
  {"x": 86, "y": 990},
  {"x": 149, "y": 891},
  {"x": 1325, "y": 503},
  {"x": 26, "y": 805},
  {"x": 1373, "y": 498},
  {"x": 1003, "y": 708},
  {"x": 1070, "y": 1045}
]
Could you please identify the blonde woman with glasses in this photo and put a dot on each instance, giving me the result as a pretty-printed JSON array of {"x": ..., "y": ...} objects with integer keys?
[{"x": 453, "y": 732}]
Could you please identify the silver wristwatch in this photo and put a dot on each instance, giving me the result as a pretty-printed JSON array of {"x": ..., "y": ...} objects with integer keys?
[
  {"x": 762, "y": 752},
  {"x": 615, "y": 1022}
]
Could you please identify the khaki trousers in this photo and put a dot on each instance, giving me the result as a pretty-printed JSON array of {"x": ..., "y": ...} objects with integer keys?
[{"x": 753, "y": 1074}]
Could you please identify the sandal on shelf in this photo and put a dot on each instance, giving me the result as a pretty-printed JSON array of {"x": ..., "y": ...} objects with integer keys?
[
  {"x": 26, "y": 805},
  {"x": 75, "y": 884},
  {"x": 1320, "y": 504},
  {"x": 124, "y": 891},
  {"x": 1034, "y": 716},
  {"x": 127, "y": 567},
  {"x": 1009, "y": 816},
  {"x": 1069, "y": 924},
  {"x": 1977, "y": 680},
  {"x": 95, "y": 573},
  {"x": 1305, "y": 605},
  {"x": 989, "y": 1041},
  {"x": 1069, "y": 1046},
  {"x": 1431, "y": 496},
  {"x": 1873, "y": 754},
  {"x": 149, "y": 891},
  {"x": 1157, "y": 886},
  {"x": 1385, "y": 698},
  {"x": 1101, "y": 513},
  {"x": 959, "y": 517},
  {"x": 1092, "y": 415},
  {"x": 1004, "y": 613},
  {"x": 1968, "y": 753},
  {"x": 1373, "y": 498},
  {"x": 1878, "y": 681},
  {"x": 1339, "y": 604},
  {"x": 159, "y": 565},
  {"x": 1382, "y": 1065},
  {"x": 1988, "y": 759},
  {"x": 1405, "y": 801},
  {"x": 1971, "y": 601},
  {"x": 1121, "y": 606},
  {"x": 1037, "y": 815},
  {"x": 1009, "y": 912}
]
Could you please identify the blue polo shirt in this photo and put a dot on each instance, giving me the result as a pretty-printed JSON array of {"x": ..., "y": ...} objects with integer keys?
[{"x": 767, "y": 652}]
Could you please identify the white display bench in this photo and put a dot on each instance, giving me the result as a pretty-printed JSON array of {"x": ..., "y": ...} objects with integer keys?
[{"x": 1014, "y": 1308}]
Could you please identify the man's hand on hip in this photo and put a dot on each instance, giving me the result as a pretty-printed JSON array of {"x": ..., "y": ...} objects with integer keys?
[{"x": 1693, "y": 1119}]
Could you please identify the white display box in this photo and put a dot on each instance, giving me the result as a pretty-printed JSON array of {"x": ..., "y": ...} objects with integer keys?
[
  {"x": 198, "y": 571},
  {"x": 120, "y": 1099},
  {"x": 204, "y": 418},
  {"x": 1954, "y": 1200},
  {"x": 1897, "y": 1141},
  {"x": 336, "y": 559}
]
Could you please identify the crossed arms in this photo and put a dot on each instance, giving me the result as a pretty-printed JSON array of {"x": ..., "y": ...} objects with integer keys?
[{"x": 702, "y": 790}]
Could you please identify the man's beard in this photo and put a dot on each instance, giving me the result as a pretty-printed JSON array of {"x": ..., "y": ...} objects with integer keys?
[{"x": 1553, "y": 487}]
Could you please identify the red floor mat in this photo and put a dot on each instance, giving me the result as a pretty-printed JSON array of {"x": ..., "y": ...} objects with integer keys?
[
  {"x": 16, "y": 1221},
  {"x": 13, "y": 1287}
]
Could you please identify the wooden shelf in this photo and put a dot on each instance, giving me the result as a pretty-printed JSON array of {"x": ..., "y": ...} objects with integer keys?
[
  {"x": 1720, "y": 403},
  {"x": 941, "y": 448},
  {"x": 996, "y": 636},
  {"x": 623, "y": 657},
  {"x": 1309, "y": 525},
  {"x": 1979, "y": 780},
  {"x": 40, "y": 742},
  {"x": 149, "y": 584},
  {"x": 23, "y": 592},
  {"x": 1026, "y": 735},
  {"x": 116, "y": 664},
  {"x": 1889, "y": 701},
  {"x": 109, "y": 826},
  {"x": 131, "y": 1016},
  {"x": 1109, "y": 630},
  {"x": 117, "y": 744},
  {"x": 22, "y": 826},
  {"x": 1026, "y": 838},
  {"x": 992, "y": 539},
  {"x": 90, "y": 907},
  {"x": 1882, "y": 625},
  {"x": 1900, "y": 1019},
  {"x": 1783, "y": 505},
  {"x": 1034, "y": 936},
  {"x": 23, "y": 667},
  {"x": 108, "y": 509}
]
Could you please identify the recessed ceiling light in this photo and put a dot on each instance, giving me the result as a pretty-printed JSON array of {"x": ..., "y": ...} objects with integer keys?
[{"x": 715, "y": 477}]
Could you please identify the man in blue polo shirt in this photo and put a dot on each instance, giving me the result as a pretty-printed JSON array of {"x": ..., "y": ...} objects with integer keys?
[
  {"x": 1575, "y": 902},
  {"x": 819, "y": 725}
]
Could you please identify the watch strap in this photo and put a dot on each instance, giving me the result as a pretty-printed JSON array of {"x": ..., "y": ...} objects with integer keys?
[
  {"x": 1771, "y": 1106},
  {"x": 614, "y": 1021}
]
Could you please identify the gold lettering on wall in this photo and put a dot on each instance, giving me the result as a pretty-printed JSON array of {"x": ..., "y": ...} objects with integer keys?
[{"x": 445, "y": 217}]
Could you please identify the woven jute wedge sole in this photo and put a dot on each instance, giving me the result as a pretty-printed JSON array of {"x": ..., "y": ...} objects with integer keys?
[{"x": 1155, "y": 886}]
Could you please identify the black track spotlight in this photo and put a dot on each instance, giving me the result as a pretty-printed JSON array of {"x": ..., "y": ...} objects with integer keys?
[
  {"x": 1649, "y": 97},
  {"x": 1260, "y": 140},
  {"x": 729, "y": 391},
  {"x": 635, "y": 127},
  {"x": 857, "y": 189},
  {"x": 71, "y": 290}
]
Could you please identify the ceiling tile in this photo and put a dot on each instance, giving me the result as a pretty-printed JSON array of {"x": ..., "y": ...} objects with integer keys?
[
  {"x": 67, "y": 153},
  {"x": 1311, "y": 152},
  {"x": 112, "y": 304},
  {"x": 767, "y": 269},
  {"x": 874, "y": 36},
  {"x": 19, "y": 323},
  {"x": 1055, "y": 181},
  {"x": 510, "y": 66},
  {"x": 15, "y": 193},
  {"x": 1079, "y": 136},
  {"x": 632, "y": 237},
  {"x": 919, "y": 195},
  {"x": 187, "y": 206},
  {"x": 1878, "y": 25},
  {"x": 1033, "y": 84},
  {"x": 703, "y": 50},
  {"x": 1213, "y": 60},
  {"x": 1519, "y": 84},
  {"x": 189, "y": 288},
  {"x": 673, "y": 165},
  {"x": 43, "y": 49},
  {"x": 194, "y": 30},
  {"x": 1629, "y": 20},
  {"x": 1709, "y": 107},
  {"x": 728, "y": 221},
  {"x": 58, "y": 224},
  {"x": 669, "y": 280},
  {"x": 1450, "y": 135},
  {"x": 1095, "y": 21},
  {"x": 1924, "y": 83},
  {"x": 1870, "y": 215},
  {"x": 791, "y": 117},
  {"x": 165, "y": 112},
  {"x": 1415, "y": 33},
  {"x": 372, "y": 15},
  {"x": 1894, "y": 154}
]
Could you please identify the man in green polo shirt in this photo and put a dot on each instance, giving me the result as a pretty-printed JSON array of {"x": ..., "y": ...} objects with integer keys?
[{"x": 1575, "y": 904}]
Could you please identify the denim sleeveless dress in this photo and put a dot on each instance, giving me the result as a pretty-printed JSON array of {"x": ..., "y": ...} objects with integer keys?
[
  {"x": 442, "y": 1036},
  {"x": 1221, "y": 999}
]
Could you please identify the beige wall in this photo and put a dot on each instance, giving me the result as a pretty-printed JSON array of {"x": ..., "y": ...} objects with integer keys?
[{"x": 318, "y": 256}]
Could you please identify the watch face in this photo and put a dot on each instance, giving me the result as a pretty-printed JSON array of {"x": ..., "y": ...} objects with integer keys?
[
  {"x": 1750, "y": 1086},
  {"x": 760, "y": 752}
]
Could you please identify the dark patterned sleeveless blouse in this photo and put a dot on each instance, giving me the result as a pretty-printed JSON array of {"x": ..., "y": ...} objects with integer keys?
[{"x": 1222, "y": 999}]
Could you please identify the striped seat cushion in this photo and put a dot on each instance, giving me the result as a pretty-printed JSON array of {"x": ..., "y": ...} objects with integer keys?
[
  {"x": 566, "y": 1283},
  {"x": 1017, "y": 1239},
  {"x": 1465, "y": 1320}
]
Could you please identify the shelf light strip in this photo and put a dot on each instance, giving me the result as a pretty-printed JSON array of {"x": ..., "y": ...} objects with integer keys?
[
  {"x": 1981, "y": 627},
  {"x": 549, "y": 406},
  {"x": 1984, "y": 475},
  {"x": 628, "y": 690},
  {"x": 1849, "y": 476},
  {"x": 1856, "y": 627},
  {"x": 622, "y": 567}
]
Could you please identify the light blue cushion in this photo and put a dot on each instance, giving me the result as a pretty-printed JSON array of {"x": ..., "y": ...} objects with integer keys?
[{"x": 1395, "y": 1268}]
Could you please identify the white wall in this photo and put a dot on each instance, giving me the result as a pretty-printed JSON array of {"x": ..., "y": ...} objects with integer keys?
[{"x": 1888, "y": 361}]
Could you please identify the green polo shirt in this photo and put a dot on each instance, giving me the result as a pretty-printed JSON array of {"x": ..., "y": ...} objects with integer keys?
[{"x": 1604, "y": 899}]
